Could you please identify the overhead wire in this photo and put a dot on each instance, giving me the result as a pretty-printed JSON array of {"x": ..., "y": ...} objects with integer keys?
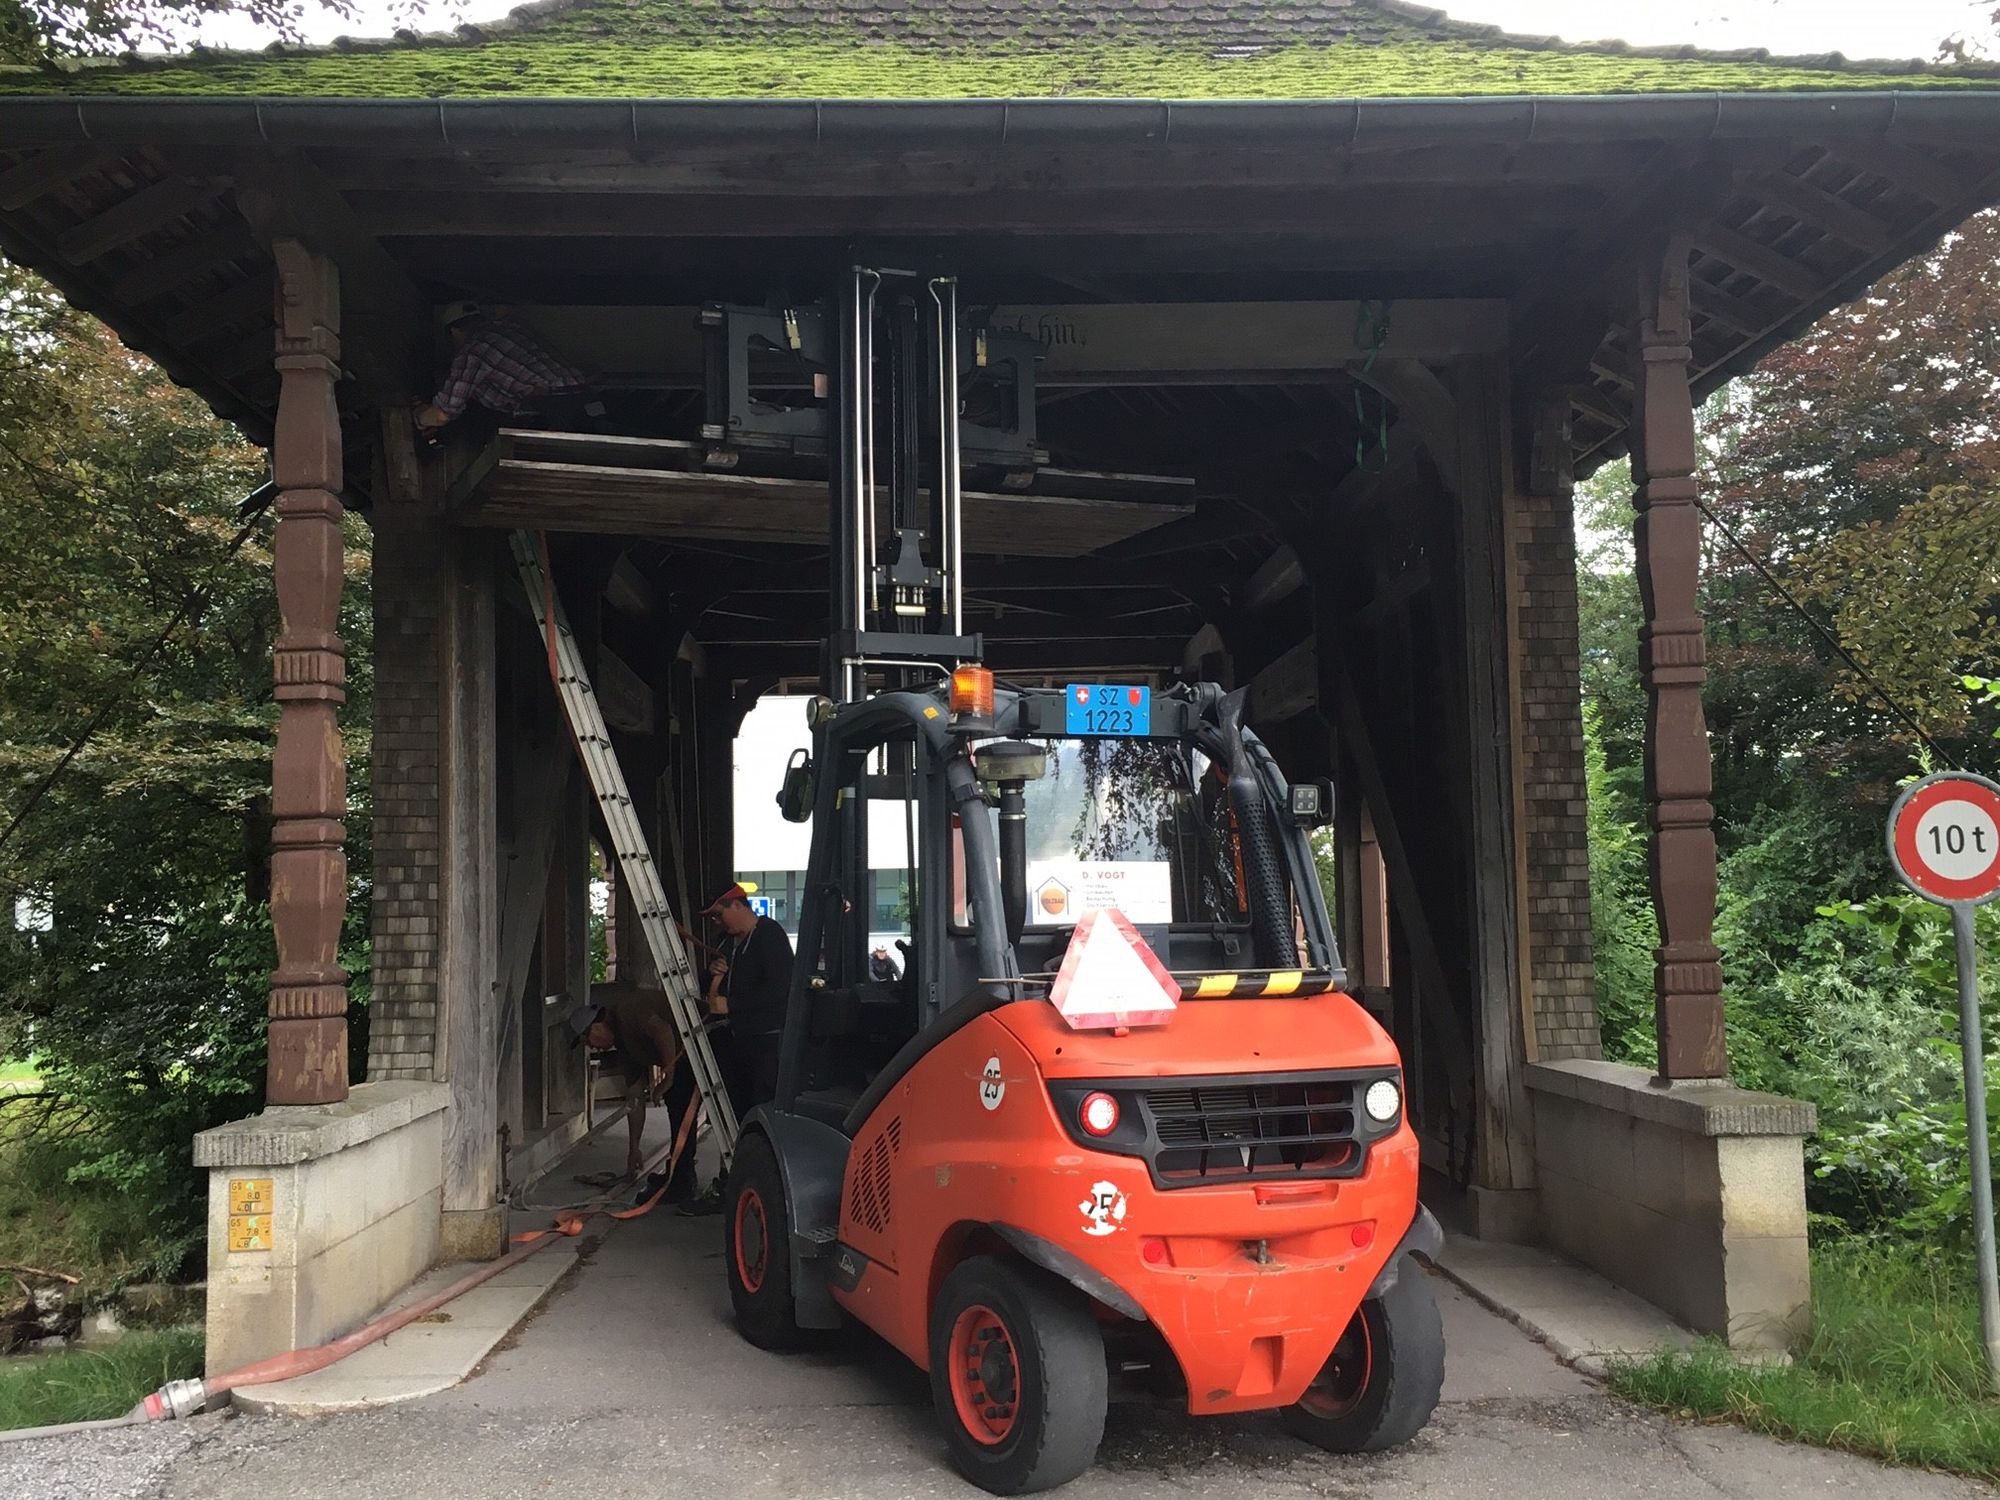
[{"x": 1832, "y": 641}]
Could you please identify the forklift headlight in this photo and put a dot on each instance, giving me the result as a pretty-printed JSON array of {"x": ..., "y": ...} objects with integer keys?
[{"x": 1382, "y": 1100}]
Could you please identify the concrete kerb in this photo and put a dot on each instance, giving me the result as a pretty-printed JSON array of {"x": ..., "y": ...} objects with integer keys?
[
  {"x": 431, "y": 1355},
  {"x": 1581, "y": 1318}
]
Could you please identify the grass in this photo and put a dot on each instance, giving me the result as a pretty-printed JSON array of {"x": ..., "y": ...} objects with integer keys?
[
  {"x": 18, "y": 1070},
  {"x": 92, "y": 1231},
  {"x": 1893, "y": 1367},
  {"x": 85, "y": 1385}
]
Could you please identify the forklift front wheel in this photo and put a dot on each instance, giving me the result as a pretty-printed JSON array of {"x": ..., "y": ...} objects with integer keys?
[
  {"x": 1380, "y": 1385},
  {"x": 757, "y": 1238},
  {"x": 1018, "y": 1376}
]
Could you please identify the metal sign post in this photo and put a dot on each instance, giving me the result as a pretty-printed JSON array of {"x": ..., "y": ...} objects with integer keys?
[{"x": 1944, "y": 841}]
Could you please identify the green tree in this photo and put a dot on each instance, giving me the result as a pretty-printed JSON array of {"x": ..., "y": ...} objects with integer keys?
[{"x": 136, "y": 603}]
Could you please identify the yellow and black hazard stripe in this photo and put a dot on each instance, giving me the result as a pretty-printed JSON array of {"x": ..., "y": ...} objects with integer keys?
[{"x": 1260, "y": 984}]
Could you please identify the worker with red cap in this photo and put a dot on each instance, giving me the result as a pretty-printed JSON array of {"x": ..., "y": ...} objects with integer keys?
[{"x": 750, "y": 982}]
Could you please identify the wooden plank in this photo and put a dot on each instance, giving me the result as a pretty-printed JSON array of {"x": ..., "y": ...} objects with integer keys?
[
  {"x": 1925, "y": 176},
  {"x": 1084, "y": 344},
  {"x": 47, "y": 171},
  {"x": 1506, "y": 1155},
  {"x": 182, "y": 263},
  {"x": 138, "y": 215},
  {"x": 413, "y": 208},
  {"x": 247, "y": 299},
  {"x": 1823, "y": 211},
  {"x": 1731, "y": 311},
  {"x": 742, "y": 507},
  {"x": 1769, "y": 266},
  {"x": 1278, "y": 577}
]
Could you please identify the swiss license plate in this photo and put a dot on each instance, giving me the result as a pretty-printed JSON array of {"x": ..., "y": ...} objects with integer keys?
[{"x": 1104, "y": 709}]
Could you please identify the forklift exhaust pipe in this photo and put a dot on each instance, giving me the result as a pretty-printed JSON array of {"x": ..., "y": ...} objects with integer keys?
[
  {"x": 1270, "y": 908},
  {"x": 1014, "y": 857}
]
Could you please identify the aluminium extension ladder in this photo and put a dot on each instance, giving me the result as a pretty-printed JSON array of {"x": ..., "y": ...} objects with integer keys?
[{"x": 636, "y": 867}]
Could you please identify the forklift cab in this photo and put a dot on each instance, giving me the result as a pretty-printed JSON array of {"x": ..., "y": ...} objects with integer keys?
[{"x": 1008, "y": 828}]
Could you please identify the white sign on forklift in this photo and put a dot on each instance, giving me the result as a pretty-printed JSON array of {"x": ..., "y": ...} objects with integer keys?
[
  {"x": 1111, "y": 979},
  {"x": 1944, "y": 841}
]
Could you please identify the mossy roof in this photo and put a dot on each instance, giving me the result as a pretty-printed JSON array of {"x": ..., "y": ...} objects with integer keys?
[{"x": 958, "y": 49}]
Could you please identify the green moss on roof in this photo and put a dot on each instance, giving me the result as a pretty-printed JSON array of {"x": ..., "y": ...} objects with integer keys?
[{"x": 956, "y": 49}]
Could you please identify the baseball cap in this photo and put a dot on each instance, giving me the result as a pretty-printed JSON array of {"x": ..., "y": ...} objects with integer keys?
[
  {"x": 454, "y": 313},
  {"x": 737, "y": 891},
  {"x": 580, "y": 1019}
]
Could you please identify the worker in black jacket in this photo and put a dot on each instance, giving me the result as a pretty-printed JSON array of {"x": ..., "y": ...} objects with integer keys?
[{"x": 750, "y": 981}]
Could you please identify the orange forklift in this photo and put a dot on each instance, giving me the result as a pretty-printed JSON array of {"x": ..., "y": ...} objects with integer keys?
[{"x": 1116, "y": 1111}]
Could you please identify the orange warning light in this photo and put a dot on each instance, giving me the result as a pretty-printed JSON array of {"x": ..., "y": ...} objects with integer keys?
[{"x": 972, "y": 691}]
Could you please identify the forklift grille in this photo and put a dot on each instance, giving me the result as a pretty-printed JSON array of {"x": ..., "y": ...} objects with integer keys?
[
  {"x": 868, "y": 1193},
  {"x": 1215, "y": 1132}
]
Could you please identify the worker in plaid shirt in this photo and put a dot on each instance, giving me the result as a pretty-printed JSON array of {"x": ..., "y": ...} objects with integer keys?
[{"x": 497, "y": 366}]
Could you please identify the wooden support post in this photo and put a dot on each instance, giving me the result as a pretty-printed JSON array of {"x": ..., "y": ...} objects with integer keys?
[
  {"x": 1491, "y": 657},
  {"x": 1687, "y": 973},
  {"x": 307, "y": 1043}
]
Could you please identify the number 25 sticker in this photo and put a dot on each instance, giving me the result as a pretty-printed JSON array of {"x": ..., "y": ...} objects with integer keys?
[{"x": 1944, "y": 838}]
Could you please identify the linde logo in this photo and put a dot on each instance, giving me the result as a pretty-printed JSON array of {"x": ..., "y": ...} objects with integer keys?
[{"x": 1050, "y": 330}]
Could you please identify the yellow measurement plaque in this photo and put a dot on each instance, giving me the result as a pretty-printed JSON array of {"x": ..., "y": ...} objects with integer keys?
[
  {"x": 249, "y": 1232},
  {"x": 250, "y": 1195}
]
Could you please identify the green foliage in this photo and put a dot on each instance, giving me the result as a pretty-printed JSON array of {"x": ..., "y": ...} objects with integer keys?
[
  {"x": 94, "y": 1231},
  {"x": 136, "y": 603},
  {"x": 92, "y": 1385},
  {"x": 1892, "y": 1368},
  {"x": 1623, "y": 929}
]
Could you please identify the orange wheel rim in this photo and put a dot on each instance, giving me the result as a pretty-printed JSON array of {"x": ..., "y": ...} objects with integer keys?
[
  {"x": 985, "y": 1375},
  {"x": 1341, "y": 1381},
  {"x": 752, "y": 1240}
]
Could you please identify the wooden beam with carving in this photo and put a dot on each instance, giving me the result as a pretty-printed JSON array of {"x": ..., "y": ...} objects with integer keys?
[
  {"x": 1687, "y": 971},
  {"x": 389, "y": 321},
  {"x": 307, "y": 1038}
]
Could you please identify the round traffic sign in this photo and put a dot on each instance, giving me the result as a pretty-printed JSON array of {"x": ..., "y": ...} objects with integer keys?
[{"x": 1944, "y": 838}]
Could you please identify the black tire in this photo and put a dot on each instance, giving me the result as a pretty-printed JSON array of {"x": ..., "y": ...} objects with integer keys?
[
  {"x": 1381, "y": 1384},
  {"x": 756, "y": 1247},
  {"x": 1048, "y": 1356}
]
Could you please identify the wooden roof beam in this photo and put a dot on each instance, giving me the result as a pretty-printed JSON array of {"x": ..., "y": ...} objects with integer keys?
[
  {"x": 245, "y": 300},
  {"x": 152, "y": 207},
  {"x": 1772, "y": 267},
  {"x": 1926, "y": 176},
  {"x": 1823, "y": 211},
  {"x": 386, "y": 329},
  {"x": 179, "y": 264},
  {"x": 46, "y": 171}
]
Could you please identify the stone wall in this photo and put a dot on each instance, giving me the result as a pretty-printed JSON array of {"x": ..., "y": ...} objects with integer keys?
[
  {"x": 345, "y": 1212},
  {"x": 1690, "y": 1194},
  {"x": 1558, "y": 894},
  {"x": 404, "y": 1009}
]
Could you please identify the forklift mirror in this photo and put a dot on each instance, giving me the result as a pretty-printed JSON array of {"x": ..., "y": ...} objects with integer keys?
[
  {"x": 1312, "y": 803},
  {"x": 1010, "y": 760},
  {"x": 795, "y": 795}
]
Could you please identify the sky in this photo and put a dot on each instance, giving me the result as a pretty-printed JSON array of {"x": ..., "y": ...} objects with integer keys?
[{"x": 1859, "y": 28}]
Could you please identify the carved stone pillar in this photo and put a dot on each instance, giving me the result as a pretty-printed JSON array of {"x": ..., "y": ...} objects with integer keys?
[
  {"x": 1687, "y": 971},
  {"x": 307, "y": 1061}
]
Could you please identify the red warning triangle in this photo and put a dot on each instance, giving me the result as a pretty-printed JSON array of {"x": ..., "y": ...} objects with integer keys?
[{"x": 1111, "y": 978}]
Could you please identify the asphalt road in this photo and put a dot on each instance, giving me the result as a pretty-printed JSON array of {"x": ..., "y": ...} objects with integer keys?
[{"x": 631, "y": 1382}]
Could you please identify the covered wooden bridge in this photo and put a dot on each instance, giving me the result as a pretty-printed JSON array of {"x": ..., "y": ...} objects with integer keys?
[{"x": 1327, "y": 302}]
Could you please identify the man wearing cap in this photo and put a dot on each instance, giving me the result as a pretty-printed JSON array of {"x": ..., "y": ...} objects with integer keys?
[
  {"x": 750, "y": 981},
  {"x": 636, "y": 1025},
  {"x": 882, "y": 968},
  {"x": 501, "y": 370}
]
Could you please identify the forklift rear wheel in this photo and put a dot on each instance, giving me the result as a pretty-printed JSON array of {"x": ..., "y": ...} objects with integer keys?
[
  {"x": 757, "y": 1236},
  {"x": 1380, "y": 1385},
  {"x": 1018, "y": 1376}
]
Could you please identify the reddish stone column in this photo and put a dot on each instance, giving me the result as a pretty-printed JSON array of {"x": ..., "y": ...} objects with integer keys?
[
  {"x": 1687, "y": 971},
  {"x": 308, "y": 1036}
]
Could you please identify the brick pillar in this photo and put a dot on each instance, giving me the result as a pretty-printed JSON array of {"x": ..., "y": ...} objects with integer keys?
[
  {"x": 1687, "y": 973},
  {"x": 1557, "y": 816},
  {"x": 307, "y": 1047}
]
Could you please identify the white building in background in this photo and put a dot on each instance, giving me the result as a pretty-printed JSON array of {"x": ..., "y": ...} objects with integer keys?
[{"x": 771, "y": 853}]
